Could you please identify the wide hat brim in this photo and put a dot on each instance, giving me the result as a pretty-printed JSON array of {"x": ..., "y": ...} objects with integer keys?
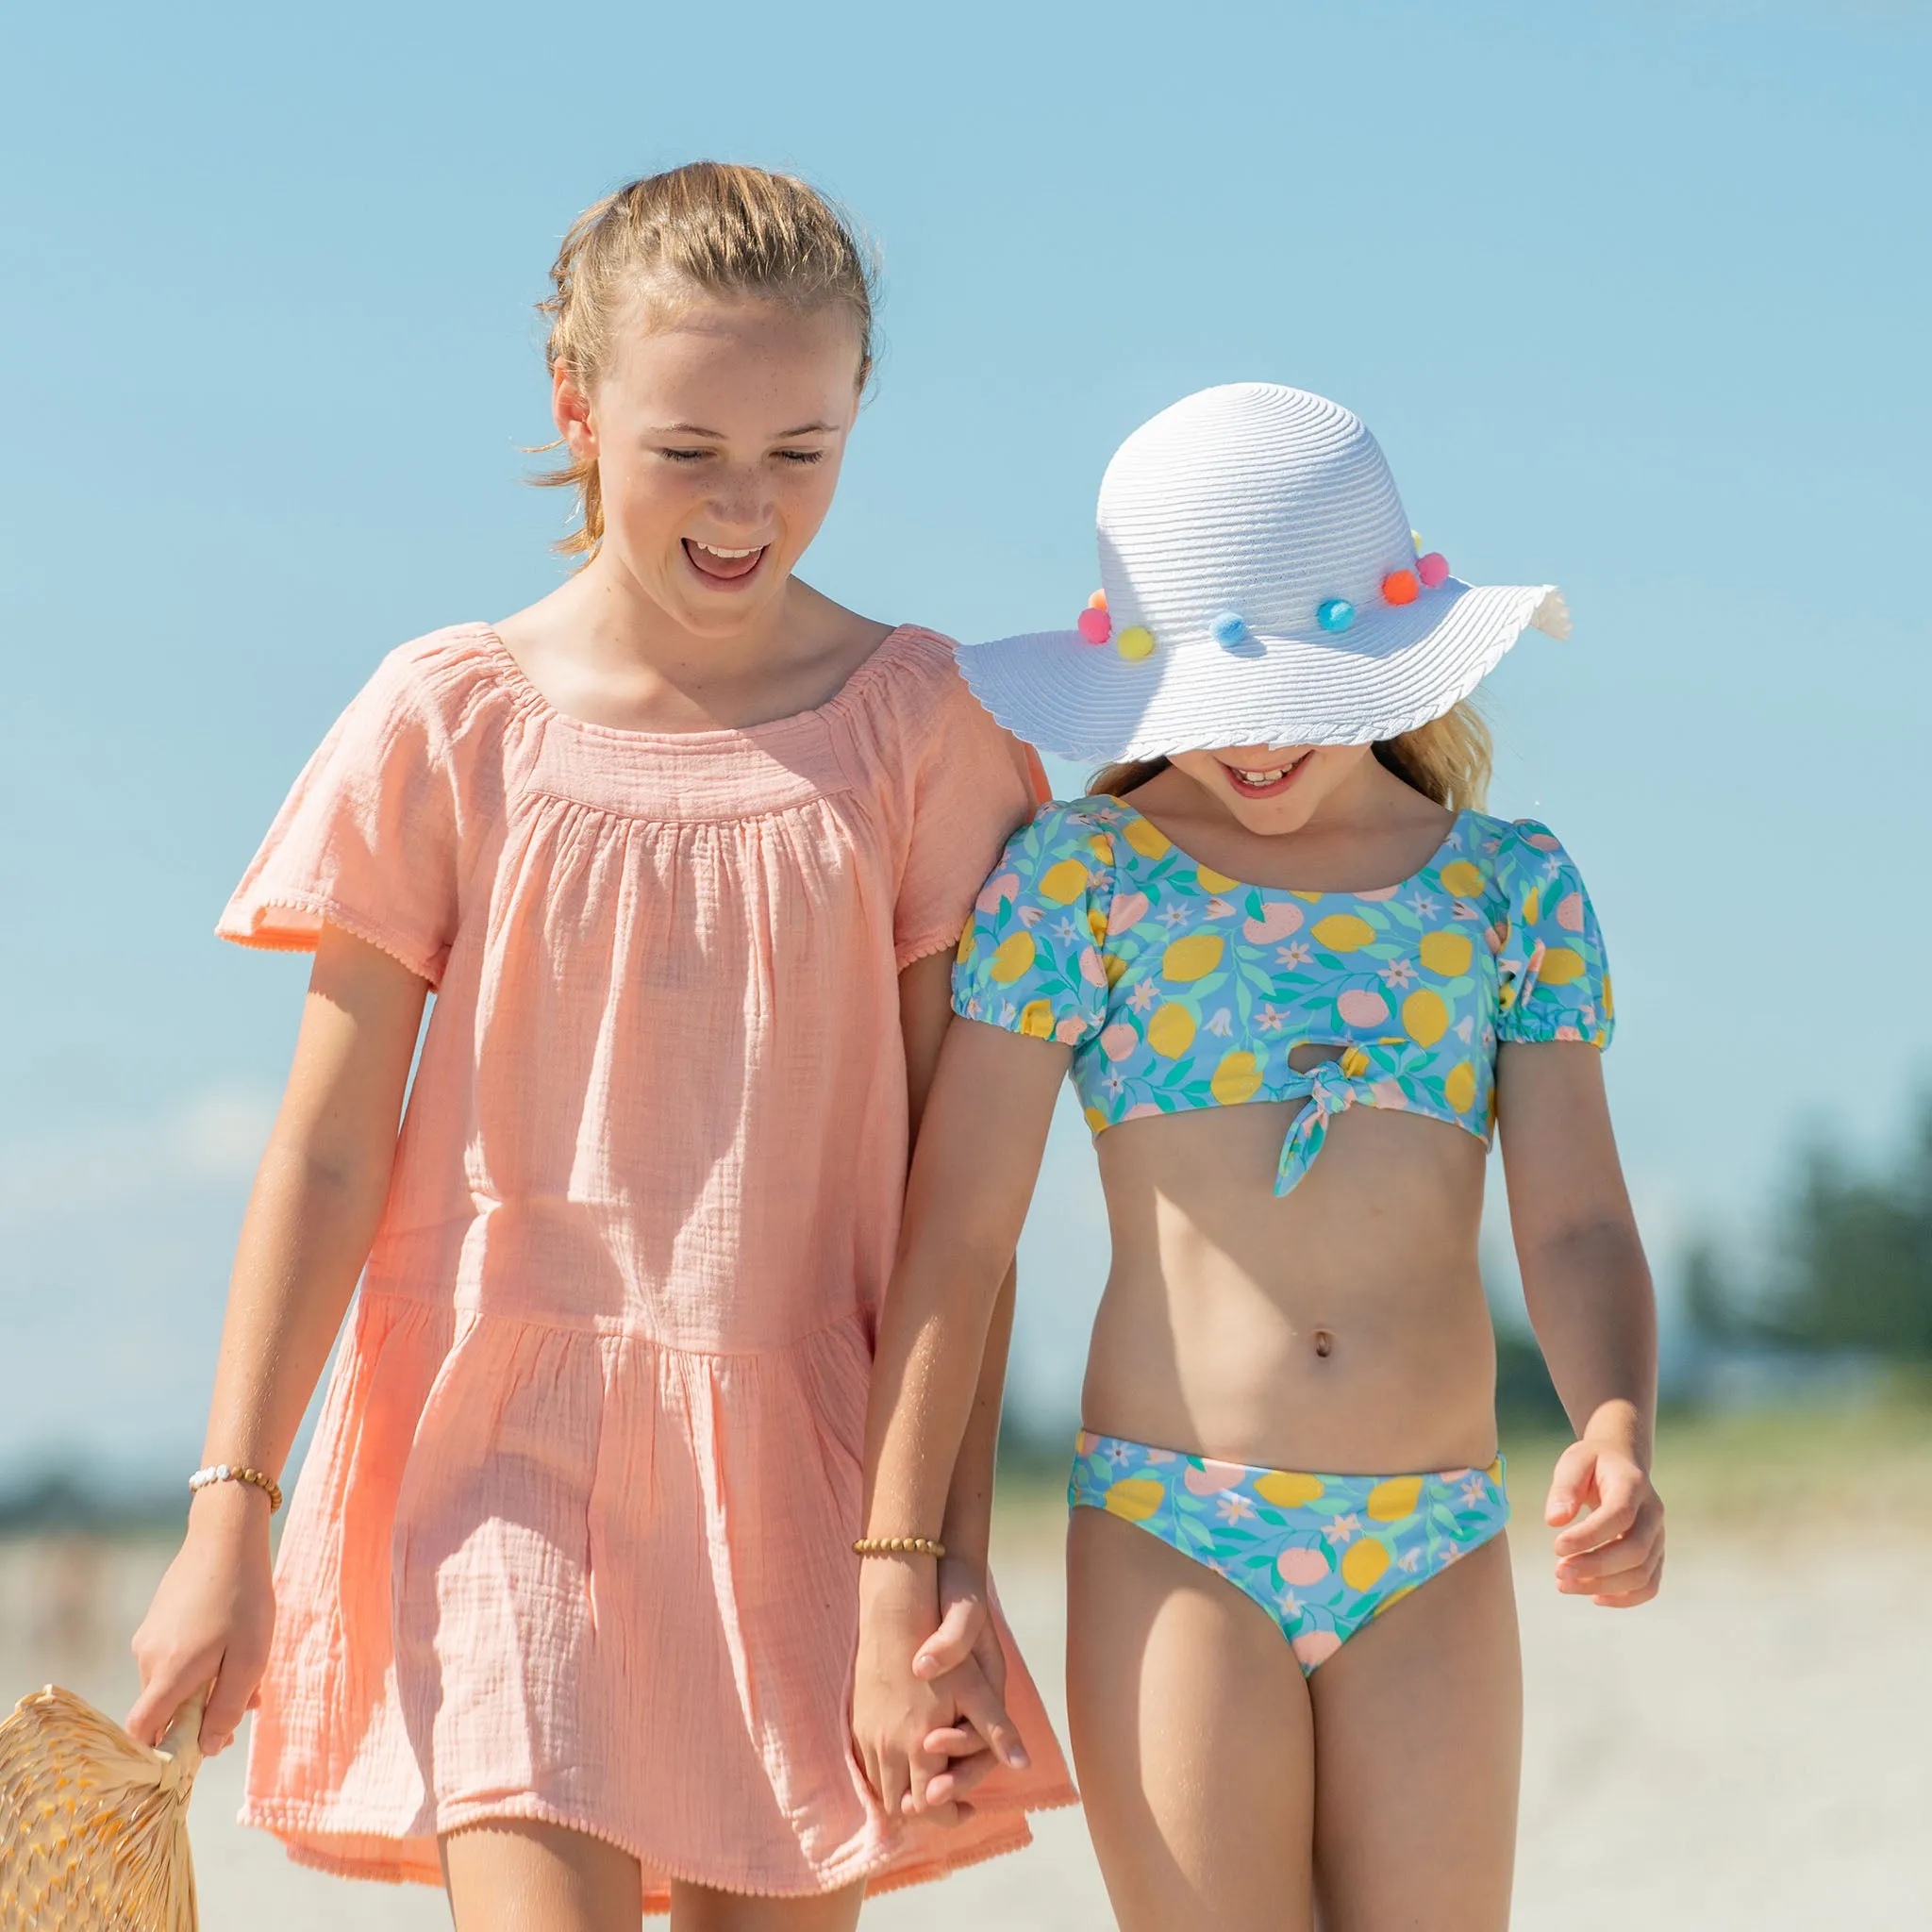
[{"x": 1393, "y": 669}]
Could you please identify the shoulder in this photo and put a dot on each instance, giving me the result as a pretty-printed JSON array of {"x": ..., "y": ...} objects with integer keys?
[
  {"x": 1079, "y": 830},
  {"x": 442, "y": 679},
  {"x": 912, "y": 680},
  {"x": 1515, "y": 849}
]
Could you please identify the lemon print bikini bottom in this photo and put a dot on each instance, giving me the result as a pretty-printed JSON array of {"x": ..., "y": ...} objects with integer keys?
[{"x": 1321, "y": 1553}]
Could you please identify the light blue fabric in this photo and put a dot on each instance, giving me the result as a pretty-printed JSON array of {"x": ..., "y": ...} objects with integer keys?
[{"x": 1178, "y": 988}]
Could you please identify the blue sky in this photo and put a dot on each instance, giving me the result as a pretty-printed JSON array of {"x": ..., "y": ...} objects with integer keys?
[{"x": 1634, "y": 297}]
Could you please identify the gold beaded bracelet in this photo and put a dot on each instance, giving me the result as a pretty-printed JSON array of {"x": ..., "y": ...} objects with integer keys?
[
  {"x": 898, "y": 1546},
  {"x": 234, "y": 1473}
]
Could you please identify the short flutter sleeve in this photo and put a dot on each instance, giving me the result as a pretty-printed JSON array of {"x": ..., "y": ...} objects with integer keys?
[
  {"x": 1031, "y": 960},
  {"x": 972, "y": 783},
  {"x": 367, "y": 840},
  {"x": 1555, "y": 978}
]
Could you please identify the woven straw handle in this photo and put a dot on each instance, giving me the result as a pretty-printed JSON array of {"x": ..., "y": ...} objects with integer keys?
[{"x": 181, "y": 1743}]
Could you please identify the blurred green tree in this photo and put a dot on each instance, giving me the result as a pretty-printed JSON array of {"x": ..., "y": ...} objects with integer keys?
[{"x": 1849, "y": 1266}]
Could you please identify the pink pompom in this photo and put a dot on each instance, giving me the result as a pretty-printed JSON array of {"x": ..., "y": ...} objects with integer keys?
[
  {"x": 1433, "y": 569},
  {"x": 1096, "y": 626}
]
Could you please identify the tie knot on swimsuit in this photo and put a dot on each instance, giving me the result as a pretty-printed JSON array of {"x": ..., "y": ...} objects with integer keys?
[{"x": 1332, "y": 1087}]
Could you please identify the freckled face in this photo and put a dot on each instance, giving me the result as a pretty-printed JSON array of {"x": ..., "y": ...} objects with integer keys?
[
  {"x": 1272, "y": 788},
  {"x": 718, "y": 432}
]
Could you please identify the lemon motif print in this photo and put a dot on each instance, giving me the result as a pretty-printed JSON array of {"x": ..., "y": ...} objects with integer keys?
[
  {"x": 1137, "y": 1498},
  {"x": 1561, "y": 966},
  {"x": 1237, "y": 1080},
  {"x": 1363, "y": 1565},
  {"x": 1343, "y": 932},
  {"x": 1193, "y": 958},
  {"x": 1012, "y": 957},
  {"x": 1170, "y": 1032},
  {"x": 1062, "y": 884},
  {"x": 1320, "y": 1556},
  {"x": 1178, "y": 987},
  {"x": 1425, "y": 1018},
  {"x": 1286, "y": 1489},
  {"x": 1390, "y": 1502}
]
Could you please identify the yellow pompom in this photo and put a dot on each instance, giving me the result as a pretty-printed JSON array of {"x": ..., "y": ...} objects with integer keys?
[
  {"x": 1136, "y": 1497},
  {"x": 1238, "y": 1078},
  {"x": 1171, "y": 1031},
  {"x": 1063, "y": 883},
  {"x": 1425, "y": 1018},
  {"x": 1362, "y": 1567},
  {"x": 1036, "y": 1019},
  {"x": 1392, "y": 1501},
  {"x": 1560, "y": 967},
  {"x": 1013, "y": 958},
  {"x": 1288, "y": 1488},
  {"x": 1458, "y": 1087},
  {"x": 1447, "y": 952},
  {"x": 1146, "y": 838},
  {"x": 1462, "y": 878},
  {"x": 1135, "y": 643},
  {"x": 1193, "y": 957},
  {"x": 1342, "y": 932}
]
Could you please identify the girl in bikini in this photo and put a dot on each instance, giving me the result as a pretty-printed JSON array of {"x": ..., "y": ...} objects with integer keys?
[{"x": 1298, "y": 978}]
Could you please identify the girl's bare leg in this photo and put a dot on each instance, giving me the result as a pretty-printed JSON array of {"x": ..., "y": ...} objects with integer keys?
[
  {"x": 698, "y": 1908},
  {"x": 517, "y": 1877},
  {"x": 1419, "y": 1737},
  {"x": 1193, "y": 1739}
]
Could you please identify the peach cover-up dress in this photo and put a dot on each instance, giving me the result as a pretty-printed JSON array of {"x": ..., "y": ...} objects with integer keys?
[{"x": 573, "y": 1540}]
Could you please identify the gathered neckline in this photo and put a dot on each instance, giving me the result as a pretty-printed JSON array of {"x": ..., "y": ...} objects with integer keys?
[
  {"x": 512, "y": 675},
  {"x": 1428, "y": 865}
]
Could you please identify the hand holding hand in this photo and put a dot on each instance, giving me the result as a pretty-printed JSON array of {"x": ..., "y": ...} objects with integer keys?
[
  {"x": 1613, "y": 1553},
  {"x": 964, "y": 1659}
]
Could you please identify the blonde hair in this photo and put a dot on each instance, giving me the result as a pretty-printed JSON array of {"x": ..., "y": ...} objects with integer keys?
[
  {"x": 713, "y": 226},
  {"x": 1447, "y": 760}
]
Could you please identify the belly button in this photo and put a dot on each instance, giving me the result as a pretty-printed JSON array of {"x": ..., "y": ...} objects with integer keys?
[{"x": 1324, "y": 1343}]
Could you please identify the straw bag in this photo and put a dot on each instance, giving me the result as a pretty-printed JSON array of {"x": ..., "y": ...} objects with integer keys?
[{"x": 94, "y": 1828}]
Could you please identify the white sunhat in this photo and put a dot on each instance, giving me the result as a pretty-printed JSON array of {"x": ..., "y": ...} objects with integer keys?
[{"x": 1260, "y": 585}]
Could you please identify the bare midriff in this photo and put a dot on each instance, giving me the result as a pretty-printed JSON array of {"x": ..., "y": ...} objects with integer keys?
[{"x": 1341, "y": 1328}]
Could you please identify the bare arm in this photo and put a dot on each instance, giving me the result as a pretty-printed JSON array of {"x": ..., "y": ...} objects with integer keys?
[
  {"x": 973, "y": 1174},
  {"x": 317, "y": 1198},
  {"x": 1588, "y": 1289},
  {"x": 926, "y": 1012}
]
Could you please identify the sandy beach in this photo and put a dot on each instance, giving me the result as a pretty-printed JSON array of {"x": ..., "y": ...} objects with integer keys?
[{"x": 1750, "y": 1751}]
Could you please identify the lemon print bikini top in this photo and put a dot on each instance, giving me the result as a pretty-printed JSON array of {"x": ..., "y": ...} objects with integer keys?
[{"x": 1179, "y": 988}]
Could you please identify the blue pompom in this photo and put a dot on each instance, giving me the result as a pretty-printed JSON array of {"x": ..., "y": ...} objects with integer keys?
[
  {"x": 1338, "y": 613},
  {"x": 1228, "y": 628}
]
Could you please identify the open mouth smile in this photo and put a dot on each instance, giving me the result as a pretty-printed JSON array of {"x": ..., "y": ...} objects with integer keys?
[
  {"x": 1263, "y": 781},
  {"x": 719, "y": 566}
]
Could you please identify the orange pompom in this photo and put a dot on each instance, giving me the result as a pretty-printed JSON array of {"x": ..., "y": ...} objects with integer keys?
[
  {"x": 1098, "y": 601},
  {"x": 1400, "y": 586}
]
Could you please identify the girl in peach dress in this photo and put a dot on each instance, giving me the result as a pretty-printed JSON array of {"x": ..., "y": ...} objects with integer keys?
[{"x": 565, "y": 1611}]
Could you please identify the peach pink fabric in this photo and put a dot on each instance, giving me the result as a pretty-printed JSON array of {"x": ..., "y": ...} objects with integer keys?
[{"x": 573, "y": 1540}]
